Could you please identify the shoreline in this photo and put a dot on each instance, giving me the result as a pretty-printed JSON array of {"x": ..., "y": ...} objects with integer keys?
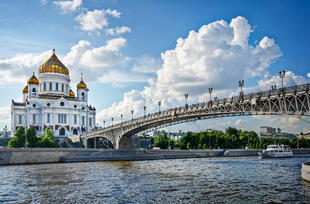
[{"x": 65, "y": 155}]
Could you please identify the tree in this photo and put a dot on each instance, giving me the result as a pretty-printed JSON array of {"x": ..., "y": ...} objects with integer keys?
[
  {"x": 18, "y": 140},
  {"x": 32, "y": 137},
  {"x": 47, "y": 140},
  {"x": 161, "y": 141}
]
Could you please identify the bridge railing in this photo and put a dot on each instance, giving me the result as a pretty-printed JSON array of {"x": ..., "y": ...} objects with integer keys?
[{"x": 201, "y": 105}]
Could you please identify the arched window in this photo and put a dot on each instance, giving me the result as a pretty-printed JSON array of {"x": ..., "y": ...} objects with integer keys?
[
  {"x": 83, "y": 95},
  {"x": 62, "y": 131},
  {"x": 34, "y": 91},
  {"x": 75, "y": 132}
]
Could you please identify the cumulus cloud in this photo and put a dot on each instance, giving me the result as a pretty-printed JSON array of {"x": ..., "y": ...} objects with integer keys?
[
  {"x": 5, "y": 112},
  {"x": 82, "y": 57},
  {"x": 118, "y": 30},
  {"x": 18, "y": 69},
  {"x": 121, "y": 78},
  {"x": 146, "y": 64},
  {"x": 96, "y": 19},
  {"x": 44, "y": 2},
  {"x": 67, "y": 6},
  {"x": 217, "y": 55}
]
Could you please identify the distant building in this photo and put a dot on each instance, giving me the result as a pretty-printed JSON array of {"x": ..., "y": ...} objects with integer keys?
[{"x": 270, "y": 132}]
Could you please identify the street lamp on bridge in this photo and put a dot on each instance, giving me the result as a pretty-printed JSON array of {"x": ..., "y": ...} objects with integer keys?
[
  {"x": 104, "y": 124},
  {"x": 144, "y": 108},
  {"x": 121, "y": 119},
  {"x": 241, "y": 84},
  {"x": 131, "y": 114},
  {"x": 159, "y": 103},
  {"x": 186, "y": 97},
  {"x": 210, "y": 92},
  {"x": 282, "y": 75},
  {"x": 112, "y": 121}
]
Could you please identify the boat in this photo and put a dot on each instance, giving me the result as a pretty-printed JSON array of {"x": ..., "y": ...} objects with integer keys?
[{"x": 276, "y": 151}]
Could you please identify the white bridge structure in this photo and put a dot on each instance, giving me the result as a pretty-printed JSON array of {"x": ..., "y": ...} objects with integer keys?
[{"x": 294, "y": 100}]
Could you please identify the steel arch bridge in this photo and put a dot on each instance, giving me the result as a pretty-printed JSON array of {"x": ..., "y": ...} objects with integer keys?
[{"x": 294, "y": 100}]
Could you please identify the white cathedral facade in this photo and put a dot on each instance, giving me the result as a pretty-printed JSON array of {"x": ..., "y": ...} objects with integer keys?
[{"x": 49, "y": 102}]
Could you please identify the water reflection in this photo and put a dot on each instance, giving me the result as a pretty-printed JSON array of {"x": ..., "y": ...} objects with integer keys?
[{"x": 236, "y": 180}]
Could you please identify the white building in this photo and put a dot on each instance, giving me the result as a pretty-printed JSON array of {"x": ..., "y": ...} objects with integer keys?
[
  {"x": 49, "y": 102},
  {"x": 270, "y": 132}
]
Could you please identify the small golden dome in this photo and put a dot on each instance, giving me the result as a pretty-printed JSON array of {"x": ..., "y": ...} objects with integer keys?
[
  {"x": 82, "y": 84},
  {"x": 25, "y": 90},
  {"x": 53, "y": 64},
  {"x": 71, "y": 93},
  {"x": 33, "y": 80}
]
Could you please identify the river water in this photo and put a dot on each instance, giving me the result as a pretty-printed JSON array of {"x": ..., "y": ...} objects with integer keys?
[{"x": 209, "y": 180}]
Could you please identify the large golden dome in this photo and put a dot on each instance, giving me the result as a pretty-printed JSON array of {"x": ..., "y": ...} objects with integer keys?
[
  {"x": 53, "y": 64},
  {"x": 33, "y": 80}
]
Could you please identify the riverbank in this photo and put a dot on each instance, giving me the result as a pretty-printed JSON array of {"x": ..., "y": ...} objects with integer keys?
[{"x": 65, "y": 155}]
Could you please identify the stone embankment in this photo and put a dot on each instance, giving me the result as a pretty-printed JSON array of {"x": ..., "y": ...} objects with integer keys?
[
  {"x": 305, "y": 171},
  {"x": 55, "y": 155},
  {"x": 136, "y": 155}
]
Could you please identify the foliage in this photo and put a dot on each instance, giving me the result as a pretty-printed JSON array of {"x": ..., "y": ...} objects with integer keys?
[
  {"x": 32, "y": 139},
  {"x": 18, "y": 140},
  {"x": 233, "y": 138},
  {"x": 163, "y": 142},
  {"x": 47, "y": 140}
]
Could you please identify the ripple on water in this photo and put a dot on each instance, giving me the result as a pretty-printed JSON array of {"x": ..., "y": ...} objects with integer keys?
[{"x": 210, "y": 180}]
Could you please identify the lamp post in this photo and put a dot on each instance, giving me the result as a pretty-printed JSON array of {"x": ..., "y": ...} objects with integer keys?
[
  {"x": 159, "y": 103},
  {"x": 121, "y": 119},
  {"x": 131, "y": 114},
  {"x": 241, "y": 84},
  {"x": 186, "y": 97},
  {"x": 210, "y": 92},
  {"x": 112, "y": 121},
  {"x": 104, "y": 124},
  {"x": 144, "y": 108},
  {"x": 282, "y": 75}
]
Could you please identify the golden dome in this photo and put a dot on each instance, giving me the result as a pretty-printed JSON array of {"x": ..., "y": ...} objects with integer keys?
[
  {"x": 53, "y": 64},
  {"x": 25, "y": 90},
  {"x": 82, "y": 84},
  {"x": 71, "y": 93},
  {"x": 33, "y": 80}
]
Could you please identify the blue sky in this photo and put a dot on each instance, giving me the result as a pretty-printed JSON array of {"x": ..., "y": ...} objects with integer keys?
[{"x": 130, "y": 71}]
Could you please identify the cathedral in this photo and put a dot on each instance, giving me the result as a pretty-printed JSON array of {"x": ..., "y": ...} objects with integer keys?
[{"x": 49, "y": 102}]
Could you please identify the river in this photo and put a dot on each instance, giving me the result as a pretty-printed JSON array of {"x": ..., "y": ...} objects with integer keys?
[{"x": 209, "y": 180}]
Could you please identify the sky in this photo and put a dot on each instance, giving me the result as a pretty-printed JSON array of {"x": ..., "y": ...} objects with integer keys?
[{"x": 138, "y": 52}]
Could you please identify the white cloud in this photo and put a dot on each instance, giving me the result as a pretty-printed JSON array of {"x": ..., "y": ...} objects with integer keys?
[
  {"x": 122, "y": 78},
  {"x": 44, "y": 2},
  {"x": 308, "y": 75},
  {"x": 96, "y": 19},
  {"x": 217, "y": 55},
  {"x": 146, "y": 64},
  {"x": 118, "y": 30},
  {"x": 18, "y": 69},
  {"x": 5, "y": 112},
  {"x": 68, "y": 6}
]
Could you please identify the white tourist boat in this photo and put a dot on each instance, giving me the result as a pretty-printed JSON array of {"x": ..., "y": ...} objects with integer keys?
[{"x": 276, "y": 151}]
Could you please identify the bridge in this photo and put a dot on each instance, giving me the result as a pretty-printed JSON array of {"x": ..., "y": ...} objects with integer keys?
[{"x": 294, "y": 100}]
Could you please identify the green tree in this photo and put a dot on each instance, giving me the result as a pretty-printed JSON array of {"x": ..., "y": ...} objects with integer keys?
[
  {"x": 161, "y": 141},
  {"x": 32, "y": 137},
  {"x": 48, "y": 140},
  {"x": 188, "y": 146},
  {"x": 18, "y": 140}
]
